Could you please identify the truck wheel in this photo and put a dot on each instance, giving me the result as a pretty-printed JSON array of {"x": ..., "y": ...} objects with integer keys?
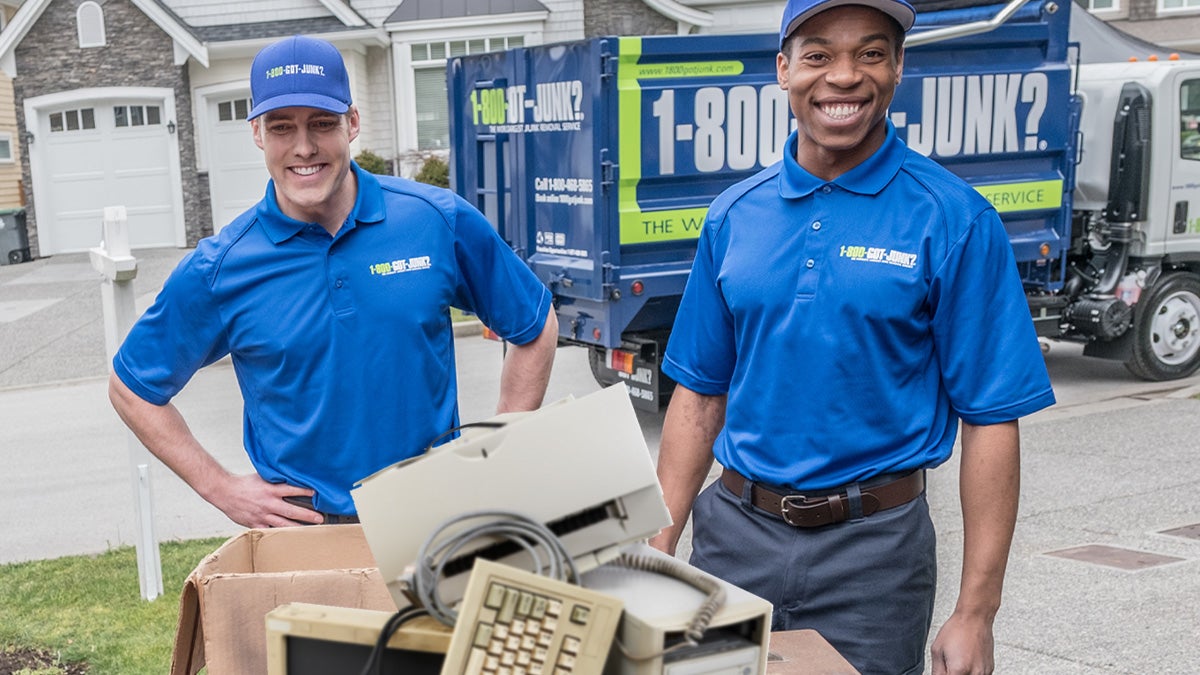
[{"x": 1166, "y": 329}]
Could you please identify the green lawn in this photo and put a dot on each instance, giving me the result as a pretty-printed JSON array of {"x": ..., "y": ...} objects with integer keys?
[{"x": 89, "y": 609}]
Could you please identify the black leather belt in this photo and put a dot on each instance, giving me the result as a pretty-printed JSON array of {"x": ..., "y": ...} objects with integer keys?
[
  {"x": 799, "y": 510},
  {"x": 330, "y": 518}
]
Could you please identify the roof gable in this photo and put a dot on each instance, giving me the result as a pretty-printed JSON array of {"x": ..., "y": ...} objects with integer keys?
[
  {"x": 186, "y": 42},
  {"x": 433, "y": 10}
]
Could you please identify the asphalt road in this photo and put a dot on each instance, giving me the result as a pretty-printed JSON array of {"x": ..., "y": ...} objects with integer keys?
[{"x": 1112, "y": 464}]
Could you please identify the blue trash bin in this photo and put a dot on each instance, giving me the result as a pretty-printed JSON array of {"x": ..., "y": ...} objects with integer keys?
[{"x": 14, "y": 237}]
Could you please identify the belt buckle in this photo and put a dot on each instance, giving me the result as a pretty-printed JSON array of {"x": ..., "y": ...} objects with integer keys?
[{"x": 802, "y": 511}]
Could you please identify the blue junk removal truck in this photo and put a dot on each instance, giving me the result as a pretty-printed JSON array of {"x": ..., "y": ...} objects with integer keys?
[{"x": 596, "y": 160}]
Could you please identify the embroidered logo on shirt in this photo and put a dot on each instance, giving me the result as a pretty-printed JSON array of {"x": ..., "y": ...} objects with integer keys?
[
  {"x": 880, "y": 255},
  {"x": 404, "y": 265}
]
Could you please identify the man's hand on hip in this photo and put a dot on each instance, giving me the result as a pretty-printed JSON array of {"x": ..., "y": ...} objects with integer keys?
[{"x": 253, "y": 502}]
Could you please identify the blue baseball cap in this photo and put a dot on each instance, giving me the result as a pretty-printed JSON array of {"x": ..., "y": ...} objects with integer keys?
[
  {"x": 799, "y": 11},
  {"x": 299, "y": 71}
]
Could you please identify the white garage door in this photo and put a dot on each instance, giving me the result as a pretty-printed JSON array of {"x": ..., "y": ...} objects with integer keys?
[
  {"x": 237, "y": 175},
  {"x": 105, "y": 153}
]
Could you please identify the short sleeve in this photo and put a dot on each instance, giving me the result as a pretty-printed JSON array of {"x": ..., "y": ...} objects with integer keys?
[
  {"x": 180, "y": 333},
  {"x": 991, "y": 363},
  {"x": 493, "y": 282},
  {"x": 701, "y": 351}
]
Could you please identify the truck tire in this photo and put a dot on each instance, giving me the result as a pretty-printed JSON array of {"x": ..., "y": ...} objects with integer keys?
[{"x": 1166, "y": 329}]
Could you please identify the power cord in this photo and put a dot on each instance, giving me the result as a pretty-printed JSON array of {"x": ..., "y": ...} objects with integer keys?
[
  {"x": 543, "y": 546},
  {"x": 694, "y": 633},
  {"x": 374, "y": 665}
]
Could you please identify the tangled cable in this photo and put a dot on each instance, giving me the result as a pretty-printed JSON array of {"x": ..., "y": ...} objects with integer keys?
[{"x": 549, "y": 556}]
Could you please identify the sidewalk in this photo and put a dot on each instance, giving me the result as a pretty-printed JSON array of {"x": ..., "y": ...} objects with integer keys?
[{"x": 1122, "y": 474}]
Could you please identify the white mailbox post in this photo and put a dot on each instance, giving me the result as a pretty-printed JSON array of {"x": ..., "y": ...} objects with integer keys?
[{"x": 114, "y": 261}]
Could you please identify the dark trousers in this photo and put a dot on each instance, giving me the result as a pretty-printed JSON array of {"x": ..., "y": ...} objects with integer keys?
[{"x": 866, "y": 585}]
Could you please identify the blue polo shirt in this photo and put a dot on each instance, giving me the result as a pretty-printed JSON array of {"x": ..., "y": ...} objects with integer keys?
[
  {"x": 854, "y": 322},
  {"x": 343, "y": 346}
]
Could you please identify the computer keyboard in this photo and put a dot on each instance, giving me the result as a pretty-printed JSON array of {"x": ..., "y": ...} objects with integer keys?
[{"x": 513, "y": 622}]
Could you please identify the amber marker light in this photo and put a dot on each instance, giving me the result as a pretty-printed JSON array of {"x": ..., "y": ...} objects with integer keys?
[{"x": 1044, "y": 249}]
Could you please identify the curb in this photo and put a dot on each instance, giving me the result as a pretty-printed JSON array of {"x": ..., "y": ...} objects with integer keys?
[{"x": 468, "y": 328}]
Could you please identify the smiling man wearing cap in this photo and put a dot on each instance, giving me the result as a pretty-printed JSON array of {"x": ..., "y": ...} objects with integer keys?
[
  {"x": 827, "y": 387},
  {"x": 332, "y": 298}
]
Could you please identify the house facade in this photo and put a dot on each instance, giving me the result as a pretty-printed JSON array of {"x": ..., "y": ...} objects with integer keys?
[
  {"x": 143, "y": 103},
  {"x": 1173, "y": 24}
]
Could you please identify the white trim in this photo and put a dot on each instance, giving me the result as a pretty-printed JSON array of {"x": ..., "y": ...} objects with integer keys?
[
  {"x": 344, "y": 40},
  {"x": 442, "y": 27},
  {"x": 531, "y": 31},
  {"x": 34, "y": 106},
  {"x": 344, "y": 12},
  {"x": 681, "y": 13},
  {"x": 31, "y": 11},
  {"x": 16, "y": 31},
  {"x": 200, "y": 99},
  {"x": 94, "y": 11},
  {"x": 182, "y": 37}
]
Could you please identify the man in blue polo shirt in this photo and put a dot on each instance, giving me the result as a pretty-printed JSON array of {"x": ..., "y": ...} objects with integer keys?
[
  {"x": 848, "y": 307},
  {"x": 332, "y": 297}
]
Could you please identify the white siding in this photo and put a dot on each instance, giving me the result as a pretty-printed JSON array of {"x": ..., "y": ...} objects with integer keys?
[
  {"x": 565, "y": 21},
  {"x": 377, "y": 102},
  {"x": 209, "y": 13},
  {"x": 744, "y": 17}
]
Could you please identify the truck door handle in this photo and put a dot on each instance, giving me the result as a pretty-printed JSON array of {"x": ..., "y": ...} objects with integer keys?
[{"x": 1181, "y": 210}]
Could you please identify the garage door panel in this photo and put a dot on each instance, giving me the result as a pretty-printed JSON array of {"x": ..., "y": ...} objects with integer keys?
[
  {"x": 109, "y": 165},
  {"x": 237, "y": 173}
]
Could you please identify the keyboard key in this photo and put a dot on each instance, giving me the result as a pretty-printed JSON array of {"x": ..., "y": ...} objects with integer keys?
[
  {"x": 579, "y": 614},
  {"x": 495, "y": 596}
]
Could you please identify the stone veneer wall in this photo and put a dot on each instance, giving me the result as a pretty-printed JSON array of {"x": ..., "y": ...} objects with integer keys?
[
  {"x": 138, "y": 54},
  {"x": 624, "y": 17}
]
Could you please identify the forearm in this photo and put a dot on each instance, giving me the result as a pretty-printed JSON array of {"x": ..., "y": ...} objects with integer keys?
[
  {"x": 526, "y": 370},
  {"x": 989, "y": 485},
  {"x": 167, "y": 436},
  {"x": 685, "y": 456}
]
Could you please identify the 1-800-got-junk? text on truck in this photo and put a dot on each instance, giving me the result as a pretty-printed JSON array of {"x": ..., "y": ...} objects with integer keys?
[{"x": 596, "y": 160}]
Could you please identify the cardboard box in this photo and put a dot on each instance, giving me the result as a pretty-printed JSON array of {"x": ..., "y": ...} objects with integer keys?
[
  {"x": 226, "y": 598},
  {"x": 805, "y": 652}
]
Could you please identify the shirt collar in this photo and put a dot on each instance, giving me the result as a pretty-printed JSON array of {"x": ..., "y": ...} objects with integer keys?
[
  {"x": 368, "y": 208},
  {"x": 868, "y": 178}
]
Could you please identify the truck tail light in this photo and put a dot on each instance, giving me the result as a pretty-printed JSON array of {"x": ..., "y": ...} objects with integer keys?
[
  {"x": 490, "y": 334},
  {"x": 619, "y": 359}
]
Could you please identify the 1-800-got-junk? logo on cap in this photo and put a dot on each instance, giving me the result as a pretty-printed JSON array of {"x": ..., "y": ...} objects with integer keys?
[{"x": 299, "y": 71}]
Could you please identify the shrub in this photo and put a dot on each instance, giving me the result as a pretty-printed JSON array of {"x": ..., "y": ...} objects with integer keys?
[
  {"x": 371, "y": 162},
  {"x": 434, "y": 171}
]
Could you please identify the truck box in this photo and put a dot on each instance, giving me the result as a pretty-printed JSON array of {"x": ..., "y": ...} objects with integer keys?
[
  {"x": 226, "y": 598},
  {"x": 597, "y": 160}
]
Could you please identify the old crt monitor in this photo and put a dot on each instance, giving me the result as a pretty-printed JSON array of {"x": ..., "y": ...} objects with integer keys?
[
  {"x": 580, "y": 466},
  {"x": 307, "y": 639}
]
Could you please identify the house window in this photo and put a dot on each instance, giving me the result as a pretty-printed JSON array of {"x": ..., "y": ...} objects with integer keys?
[
  {"x": 1178, "y": 4},
  {"x": 89, "y": 22},
  {"x": 1189, "y": 120},
  {"x": 234, "y": 110},
  {"x": 136, "y": 115},
  {"x": 6, "y": 156},
  {"x": 73, "y": 120},
  {"x": 429, "y": 83},
  {"x": 1103, "y": 5}
]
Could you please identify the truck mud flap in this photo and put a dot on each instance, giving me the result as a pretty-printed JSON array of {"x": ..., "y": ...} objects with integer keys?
[{"x": 635, "y": 363}]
